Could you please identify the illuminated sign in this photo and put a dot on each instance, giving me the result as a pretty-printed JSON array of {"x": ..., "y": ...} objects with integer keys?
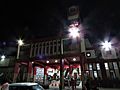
[{"x": 73, "y": 13}]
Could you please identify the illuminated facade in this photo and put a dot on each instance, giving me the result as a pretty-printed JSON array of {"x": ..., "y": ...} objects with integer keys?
[
  {"x": 45, "y": 55},
  {"x": 63, "y": 58}
]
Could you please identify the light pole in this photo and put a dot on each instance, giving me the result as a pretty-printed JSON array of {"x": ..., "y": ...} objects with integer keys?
[
  {"x": 75, "y": 33},
  {"x": 16, "y": 71},
  {"x": 61, "y": 64},
  {"x": 20, "y": 43},
  {"x": 3, "y": 57},
  {"x": 106, "y": 45}
]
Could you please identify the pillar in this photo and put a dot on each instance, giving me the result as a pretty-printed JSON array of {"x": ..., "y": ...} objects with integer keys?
[
  {"x": 61, "y": 65},
  {"x": 34, "y": 74},
  {"x": 45, "y": 75},
  {"x": 16, "y": 71},
  {"x": 82, "y": 60},
  {"x": 30, "y": 71},
  {"x": 61, "y": 74}
]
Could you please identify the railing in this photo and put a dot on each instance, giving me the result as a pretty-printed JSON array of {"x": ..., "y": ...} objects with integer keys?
[{"x": 48, "y": 48}]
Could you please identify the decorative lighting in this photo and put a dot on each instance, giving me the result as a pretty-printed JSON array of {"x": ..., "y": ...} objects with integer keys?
[
  {"x": 88, "y": 54},
  {"x": 32, "y": 62},
  {"x": 20, "y": 42},
  {"x": 56, "y": 61},
  {"x": 74, "y": 59},
  {"x": 106, "y": 45},
  {"x": 47, "y": 61}
]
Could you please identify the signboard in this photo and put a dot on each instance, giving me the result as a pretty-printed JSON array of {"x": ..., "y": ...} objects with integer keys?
[
  {"x": 39, "y": 74},
  {"x": 73, "y": 13}
]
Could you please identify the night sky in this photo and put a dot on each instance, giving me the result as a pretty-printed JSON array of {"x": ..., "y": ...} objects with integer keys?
[{"x": 32, "y": 19}]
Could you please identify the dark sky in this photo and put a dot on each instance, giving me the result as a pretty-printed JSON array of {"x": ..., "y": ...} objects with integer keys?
[{"x": 32, "y": 19}]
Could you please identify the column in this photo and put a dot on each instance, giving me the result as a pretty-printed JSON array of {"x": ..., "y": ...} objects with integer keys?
[
  {"x": 30, "y": 71},
  {"x": 61, "y": 66},
  {"x": 61, "y": 74},
  {"x": 82, "y": 60},
  {"x": 34, "y": 73},
  {"x": 45, "y": 75},
  {"x": 16, "y": 71}
]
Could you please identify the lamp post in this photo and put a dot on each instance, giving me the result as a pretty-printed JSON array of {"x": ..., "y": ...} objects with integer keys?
[
  {"x": 61, "y": 64},
  {"x": 20, "y": 43},
  {"x": 106, "y": 45},
  {"x": 3, "y": 57},
  {"x": 16, "y": 71},
  {"x": 75, "y": 33}
]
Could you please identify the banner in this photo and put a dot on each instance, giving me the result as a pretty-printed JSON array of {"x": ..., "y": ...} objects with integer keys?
[{"x": 39, "y": 74}]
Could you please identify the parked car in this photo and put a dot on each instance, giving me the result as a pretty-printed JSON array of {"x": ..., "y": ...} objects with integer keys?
[{"x": 25, "y": 86}]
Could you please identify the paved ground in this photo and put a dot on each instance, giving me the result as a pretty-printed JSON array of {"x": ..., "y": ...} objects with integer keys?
[
  {"x": 66, "y": 88},
  {"x": 81, "y": 89},
  {"x": 109, "y": 88}
]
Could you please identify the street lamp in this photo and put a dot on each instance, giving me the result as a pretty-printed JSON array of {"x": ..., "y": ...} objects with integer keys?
[
  {"x": 106, "y": 45},
  {"x": 20, "y": 43},
  {"x": 3, "y": 57},
  {"x": 61, "y": 64},
  {"x": 75, "y": 32}
]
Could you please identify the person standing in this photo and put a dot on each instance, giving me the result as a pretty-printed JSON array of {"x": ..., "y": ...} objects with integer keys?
[
  {"x": 75, "y": 79},
  {"x": 72, "y": 83},
  {"x": 87, "y": 84}
]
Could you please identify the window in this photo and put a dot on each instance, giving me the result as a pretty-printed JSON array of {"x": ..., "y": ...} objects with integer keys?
[
  {"x": 98, "y": 66},
  {"x": 95, "y": 74},
  {"x": 115, "y": 65},
  {"x": 37, "y": 87},
  {"x": 20, "y": 87},
  {"x": 110, "y": 65},
  {"x": 109, "y": 52},
  {"x": 34, "y": 87},
  {"x": 90, "y": 66},
  {"x": 106, "y": 66},
  {"x": 86, "y": 67}
]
